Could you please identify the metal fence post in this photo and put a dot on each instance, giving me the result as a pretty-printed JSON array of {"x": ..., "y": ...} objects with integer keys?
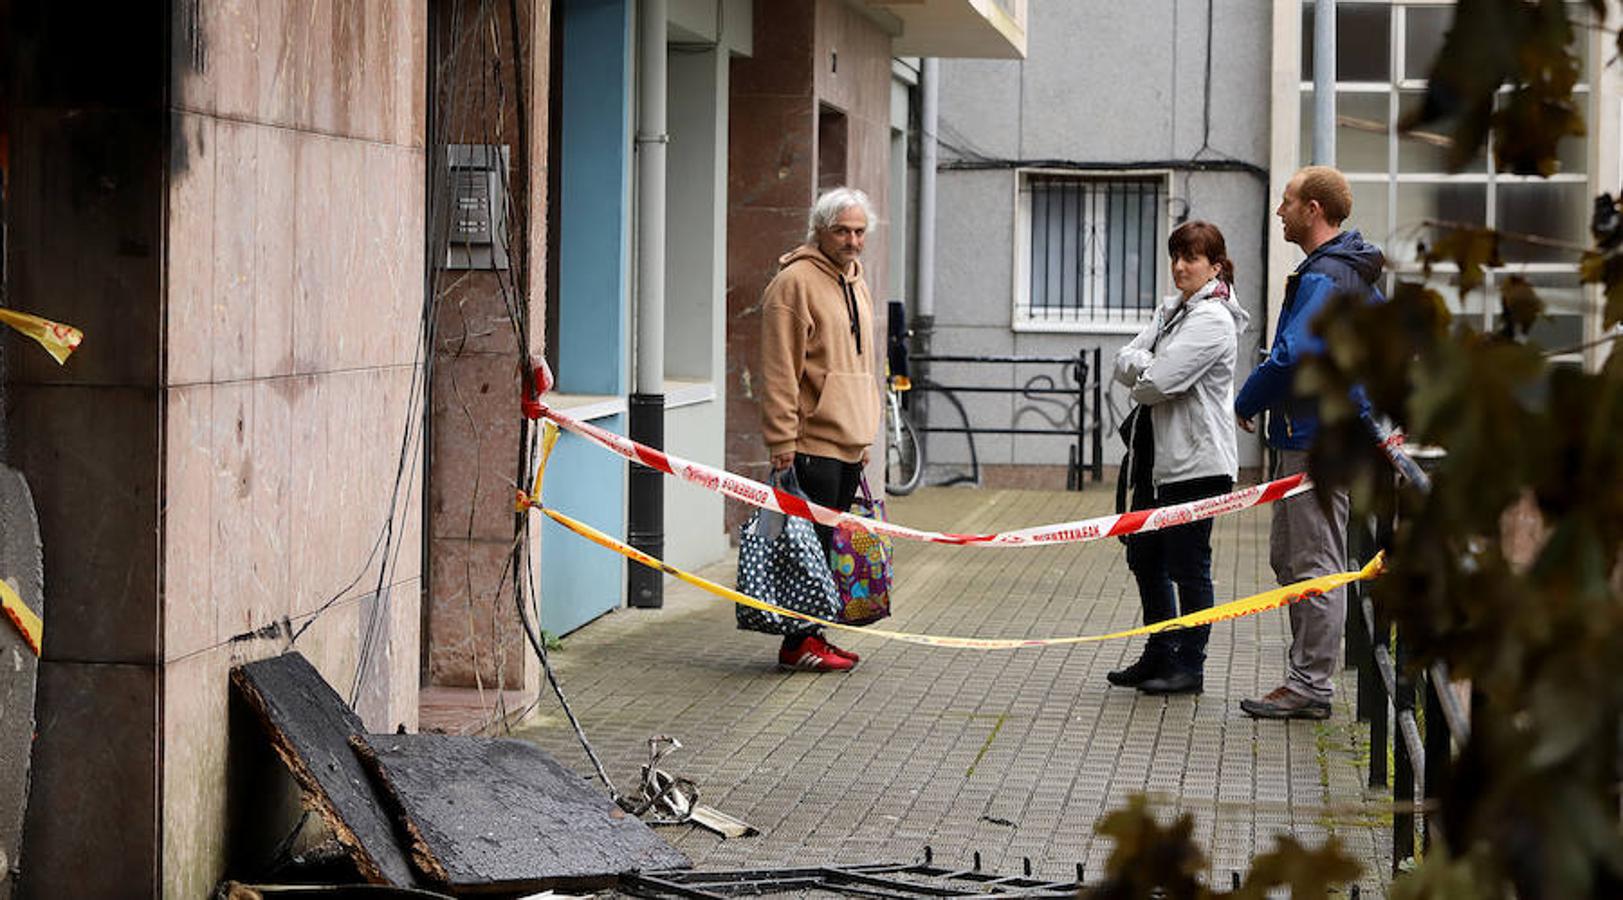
[
  {"x": 1079, "y": 370},
  {"x": 1098, "y": 419},
  {"x": 1360, "y": 652},
  {"x": 1402, "y": 766},
  {"x": 1380, "y": 733},
  {"x": 1439, "y": 754}
]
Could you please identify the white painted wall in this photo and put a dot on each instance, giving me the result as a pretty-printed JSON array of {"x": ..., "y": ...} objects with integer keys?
[
  {"x": 1104, "y": 83},
  {"x": 696, "y": 267}
]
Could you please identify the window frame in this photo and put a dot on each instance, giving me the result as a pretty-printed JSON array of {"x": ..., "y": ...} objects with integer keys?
[
  {"x": 1020, "y": 318},
  {"x": 1479, "y": 308}
]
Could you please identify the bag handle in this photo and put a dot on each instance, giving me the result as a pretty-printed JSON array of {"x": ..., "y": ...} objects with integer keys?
[
  {"x": 867, "y": 495},
  {"x": 784, "y": 479}
]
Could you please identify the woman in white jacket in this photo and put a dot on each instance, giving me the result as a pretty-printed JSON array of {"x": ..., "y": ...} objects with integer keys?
[{"x": 1180, "y": 370}]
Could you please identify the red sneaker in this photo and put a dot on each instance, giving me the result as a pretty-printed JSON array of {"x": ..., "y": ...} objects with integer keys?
[
  {"x": 813, "y": 655},
  {"x": 841, "y": 651}
]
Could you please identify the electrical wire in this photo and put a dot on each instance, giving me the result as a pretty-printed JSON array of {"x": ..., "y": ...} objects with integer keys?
[{"x": 511, "y": 287}]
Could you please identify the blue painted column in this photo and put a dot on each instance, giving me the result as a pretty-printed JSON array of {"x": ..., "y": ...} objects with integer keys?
[
  {"x": 595, "y": 209},
  {"x": 580, "y": 581}
]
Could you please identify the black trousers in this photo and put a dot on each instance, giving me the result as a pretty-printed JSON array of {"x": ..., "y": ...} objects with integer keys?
[
  {"x": 829, "y": 482},
  {"x": 1173, "y": 567}
]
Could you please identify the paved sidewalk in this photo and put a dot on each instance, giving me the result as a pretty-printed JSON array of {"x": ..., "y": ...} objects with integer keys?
[{"x": 1010, "y": 753}]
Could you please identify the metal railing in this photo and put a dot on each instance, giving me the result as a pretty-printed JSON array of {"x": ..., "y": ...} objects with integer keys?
[
  {"x": 1082, "y": 414},
  {"x": 1388, "y": 696}
]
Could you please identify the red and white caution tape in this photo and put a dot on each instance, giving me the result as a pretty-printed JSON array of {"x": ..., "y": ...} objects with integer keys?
[
  {"x": 764, "y": 496},
  {"x": 1232, "y": 610}
]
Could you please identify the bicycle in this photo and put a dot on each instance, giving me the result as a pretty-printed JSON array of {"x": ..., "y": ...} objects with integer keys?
[{"x": 904, "y": 456}]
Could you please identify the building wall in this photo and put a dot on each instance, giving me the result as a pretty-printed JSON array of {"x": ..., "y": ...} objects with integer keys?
[
  {"x": 472, "y": 635},
  {"x": 227, "y": 198},
  {"x": 696, "y": 267},
  {"x": 295, "y": 264},
  {"x": 85, "y": 246},
  {"x": 1104, "y": 83},
  {"x": 773, "y": 172}
]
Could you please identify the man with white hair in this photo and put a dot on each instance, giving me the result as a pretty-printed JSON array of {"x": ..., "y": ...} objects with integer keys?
[{"x": 820, "y": 394}]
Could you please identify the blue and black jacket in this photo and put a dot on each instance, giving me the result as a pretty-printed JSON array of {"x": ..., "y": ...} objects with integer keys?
[{"x": 1344, "y": 264}]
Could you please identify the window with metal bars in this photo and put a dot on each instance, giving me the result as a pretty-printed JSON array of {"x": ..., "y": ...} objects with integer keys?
[{"x": 1092, "y": 249}]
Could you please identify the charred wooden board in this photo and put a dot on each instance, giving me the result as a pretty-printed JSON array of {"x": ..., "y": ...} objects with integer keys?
[
  {"x": 22, "y": 568},
  {"x": 490, "y": 814},
  {"x": 311, "y": 729}
]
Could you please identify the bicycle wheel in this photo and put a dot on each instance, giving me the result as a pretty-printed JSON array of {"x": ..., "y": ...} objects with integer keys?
[{"x": 904, "y": 461}]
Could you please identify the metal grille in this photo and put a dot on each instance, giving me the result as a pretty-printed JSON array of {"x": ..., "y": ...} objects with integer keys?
[
  {"x": 478, "y": 181},
  {"x": 1094, "y": 248}
]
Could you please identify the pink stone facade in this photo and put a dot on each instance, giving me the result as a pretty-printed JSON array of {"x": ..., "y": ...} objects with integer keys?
[
  {"x": 295, "y": 266},
  {"x": 472, "y": 635},
  {"x": 228, "y": 199},
  {"x": 808, "y": 53}
]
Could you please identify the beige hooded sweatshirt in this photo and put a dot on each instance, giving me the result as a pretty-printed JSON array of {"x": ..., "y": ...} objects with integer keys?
[{"x": 819, "y": 394}]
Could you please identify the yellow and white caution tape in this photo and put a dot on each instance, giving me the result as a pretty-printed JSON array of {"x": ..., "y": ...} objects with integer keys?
[
  {"x": 58, "y": 340},
  {"x": 27, "y": 622},
  {"x": 1267, "y": 600}
]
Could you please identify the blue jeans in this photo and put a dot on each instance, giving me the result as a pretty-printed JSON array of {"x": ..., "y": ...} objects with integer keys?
[{"x": 1179, "y": 557}]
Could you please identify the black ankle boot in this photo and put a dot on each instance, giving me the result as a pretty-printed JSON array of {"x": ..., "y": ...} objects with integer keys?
[
  {"x": 1146, "y": 668},
  {"x": 1179, "y": 681}
]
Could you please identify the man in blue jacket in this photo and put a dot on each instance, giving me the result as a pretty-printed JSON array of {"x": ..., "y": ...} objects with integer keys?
[{"x": 1305, "y": 542}]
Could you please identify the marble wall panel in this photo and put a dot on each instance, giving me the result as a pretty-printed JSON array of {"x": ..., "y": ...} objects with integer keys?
[
  {"x": 345, "y": 319},
  {"x": 271, "y": 511},
  {"x": 313, "y": 556},
  {"x": 783, "y": 42},
  {"x": 103, "y": 718},
  {"x": 84, "y": 212},
  {"x": 471, "y": 316},
  {"x": 273, "y": 282},
  {"x": 319, "y": 84},
  {"x": 777, "y": 136},
  {"x": 234, "y": 223},
  {"x": 332, "y": 644},
  {"x": 240, "y": 602},
  {"x": 231, "y": 29},
  {"x": 756, "y": 237},
  {"x": 398, "y": 389},
  {"x": 265, "y": 457},
  {"x": 411, "y": 73},
  {"x": 190, "y": 249},
  {"x": 313, "y": 252},
  {"x": 473, "y": 635},
  {"x": 403, "y": 257},
  {"x": 191, "y": 80},
  {"x": 276, "y": 76},
  {"x": 196, "y": 694},
  {"x": 91, "y": 458},
  {"x": 475, "y": 445},
  {"x": 189, "y": 618},
  {"x": 377, "y": 208}
]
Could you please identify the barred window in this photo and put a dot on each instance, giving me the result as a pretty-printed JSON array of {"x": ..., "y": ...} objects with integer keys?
[{"x": 1092, "y": 249}]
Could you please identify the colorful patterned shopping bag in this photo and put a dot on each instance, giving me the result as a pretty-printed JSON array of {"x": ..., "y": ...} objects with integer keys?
[{"x": 861, "y": 564}]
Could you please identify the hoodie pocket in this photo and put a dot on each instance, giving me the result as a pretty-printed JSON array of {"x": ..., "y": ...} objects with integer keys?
[{"x": 847, "y": 412}]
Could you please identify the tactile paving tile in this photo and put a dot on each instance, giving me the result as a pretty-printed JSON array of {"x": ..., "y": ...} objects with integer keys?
[{"x": 873, "y": 764}]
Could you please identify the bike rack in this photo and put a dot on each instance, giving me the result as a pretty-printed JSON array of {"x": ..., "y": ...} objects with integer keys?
[{"x": 1079, "y": 418}]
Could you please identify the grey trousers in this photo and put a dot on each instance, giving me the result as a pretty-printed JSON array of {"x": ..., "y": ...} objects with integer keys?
[{"x": 1302, "y": 544}]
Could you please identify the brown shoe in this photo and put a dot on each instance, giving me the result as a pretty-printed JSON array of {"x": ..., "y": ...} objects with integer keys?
[{"x": 1284, "y": 703}]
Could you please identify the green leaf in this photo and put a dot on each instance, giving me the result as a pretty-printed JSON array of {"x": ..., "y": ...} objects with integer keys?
[
  {"x": 1474, "y": 250},
  {"x": 1492, "y": 43},
  {"x": 1520, "y": 304}
]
